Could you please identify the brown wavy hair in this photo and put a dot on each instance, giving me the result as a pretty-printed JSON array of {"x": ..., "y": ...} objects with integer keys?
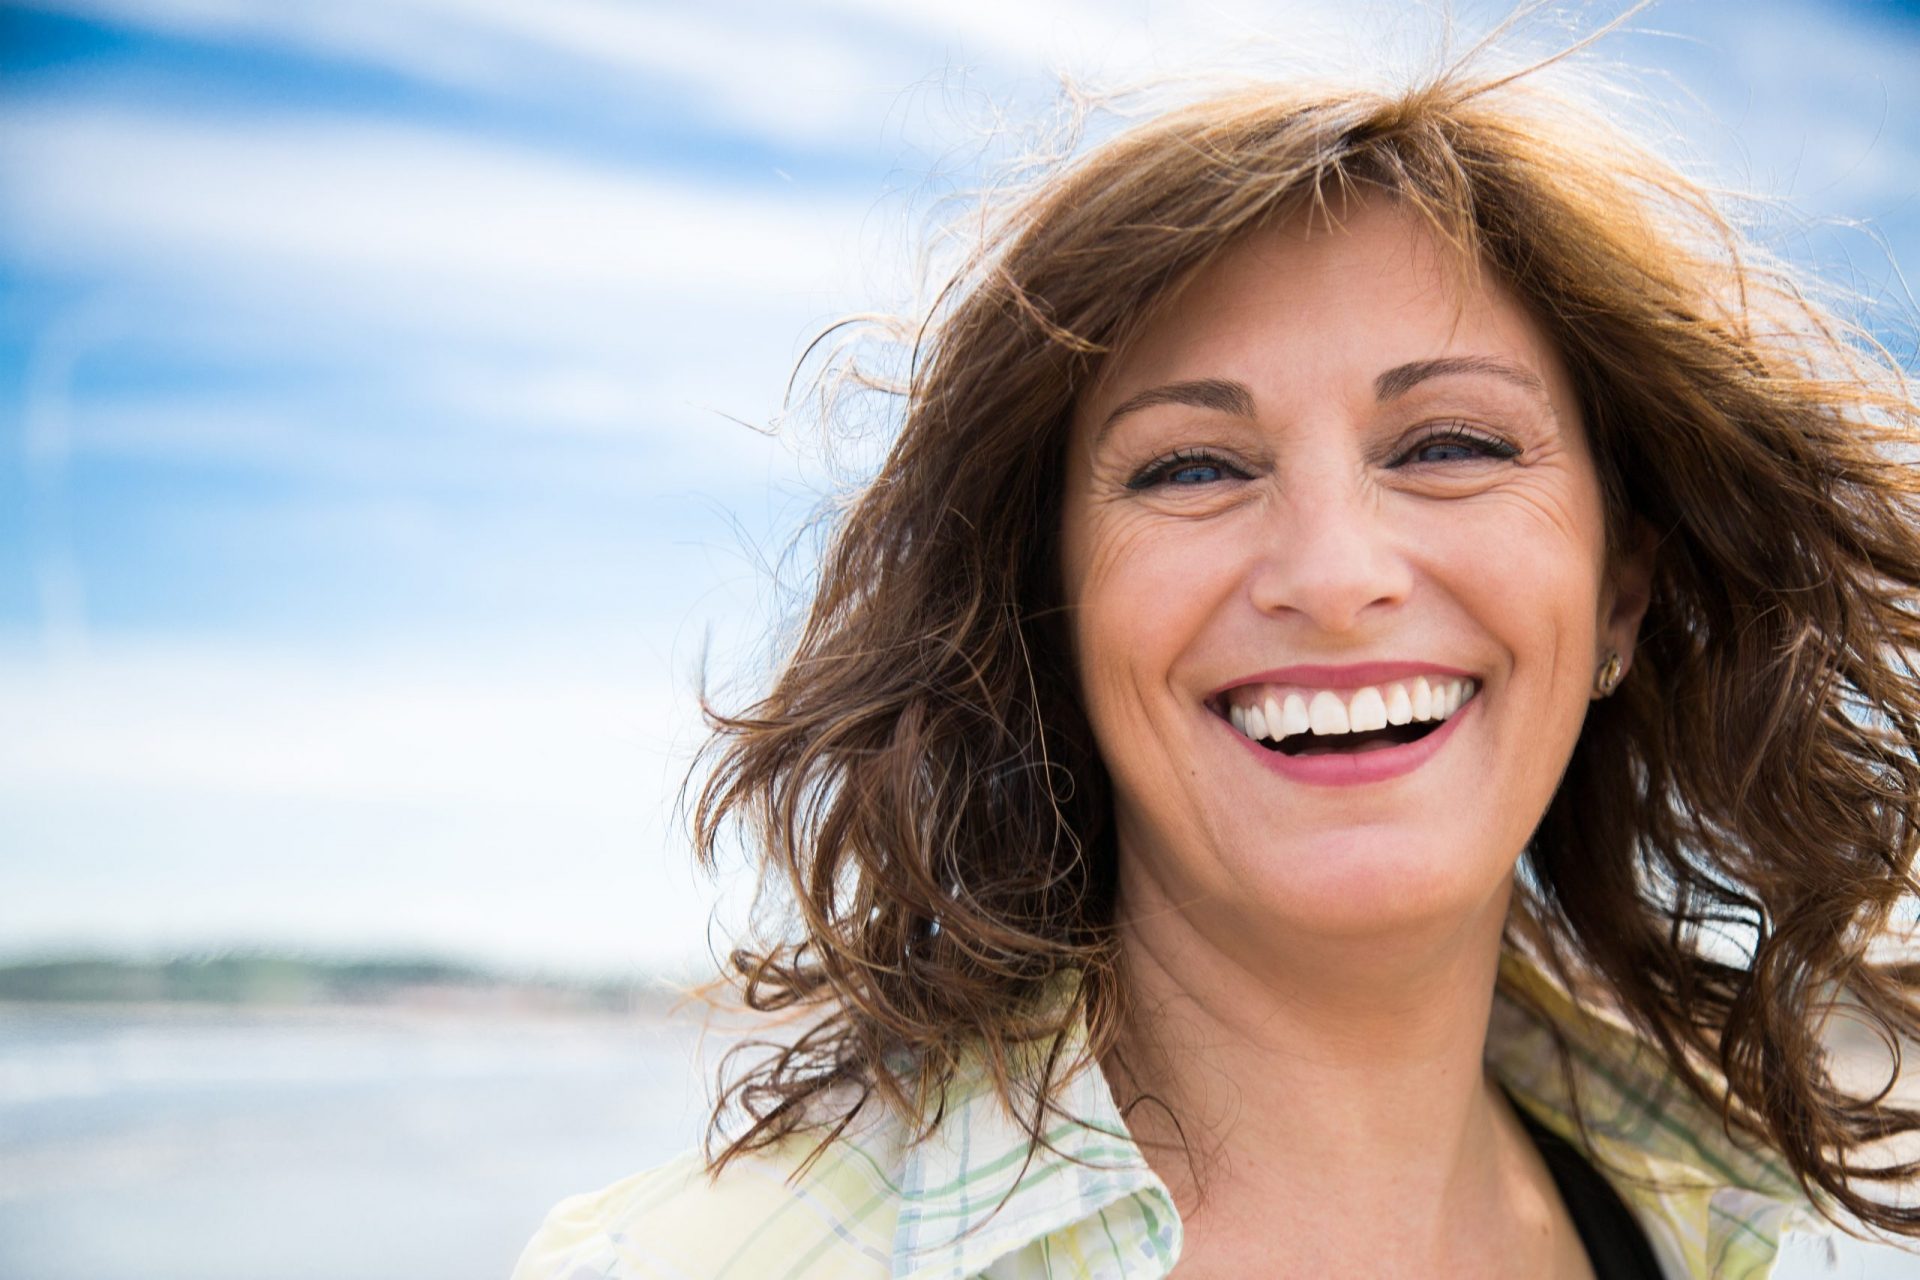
[{"x": 1732, "y": 846}]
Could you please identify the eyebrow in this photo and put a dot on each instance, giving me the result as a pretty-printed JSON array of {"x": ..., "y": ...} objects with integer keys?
[
  {"x": 1401, "y": 379},
  {"x": 1223, "y": 395}
]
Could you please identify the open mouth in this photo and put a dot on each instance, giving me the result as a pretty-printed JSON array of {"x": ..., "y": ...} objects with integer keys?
[{"x": 1297, "y": 721}]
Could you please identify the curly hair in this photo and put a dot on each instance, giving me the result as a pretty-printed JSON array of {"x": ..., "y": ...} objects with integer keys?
[{"x": 1733, "y": 840}]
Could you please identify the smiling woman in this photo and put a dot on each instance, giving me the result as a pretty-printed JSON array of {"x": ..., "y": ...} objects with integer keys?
[
  {"x": 1365, "y": 726},
  {"x": 1311, "y": 552}
]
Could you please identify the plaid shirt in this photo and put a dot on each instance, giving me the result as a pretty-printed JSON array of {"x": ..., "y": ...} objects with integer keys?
[{"x": 974, "y": 1201}]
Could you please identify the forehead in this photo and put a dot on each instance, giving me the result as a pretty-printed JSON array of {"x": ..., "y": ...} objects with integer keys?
[{"x": 1302, "y": 308}]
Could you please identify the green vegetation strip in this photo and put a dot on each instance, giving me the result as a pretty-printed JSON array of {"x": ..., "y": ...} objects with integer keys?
[{"x": 279, "y": 980}]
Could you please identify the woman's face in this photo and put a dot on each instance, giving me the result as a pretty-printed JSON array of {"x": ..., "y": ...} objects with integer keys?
[{"x": 1324, "y": 496}]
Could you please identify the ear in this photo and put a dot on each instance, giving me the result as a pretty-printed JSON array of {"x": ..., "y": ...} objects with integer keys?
[{"x": 1628, "y": 588}]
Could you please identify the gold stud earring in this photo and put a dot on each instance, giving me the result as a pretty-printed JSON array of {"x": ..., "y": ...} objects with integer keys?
[{"x": 1609, "y": 675}]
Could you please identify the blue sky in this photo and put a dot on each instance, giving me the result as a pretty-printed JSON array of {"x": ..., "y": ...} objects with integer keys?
[{"x": 371, "y": 373}]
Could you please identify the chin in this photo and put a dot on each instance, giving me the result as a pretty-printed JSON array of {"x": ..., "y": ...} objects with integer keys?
[{"x": 1372, "y": 883}]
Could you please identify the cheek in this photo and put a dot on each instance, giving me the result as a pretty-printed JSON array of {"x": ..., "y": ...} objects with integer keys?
[
  {"x": 1142, "y": 592},
  {"x": 1528, "y": 578},
  {"x": 1531, "y": 561}
]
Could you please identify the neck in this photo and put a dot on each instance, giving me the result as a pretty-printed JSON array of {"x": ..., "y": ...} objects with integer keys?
[{"x": 1332, "y": 1085}]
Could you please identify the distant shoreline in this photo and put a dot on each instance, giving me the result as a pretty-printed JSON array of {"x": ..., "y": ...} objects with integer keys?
[{"x": 266, "y": 981}]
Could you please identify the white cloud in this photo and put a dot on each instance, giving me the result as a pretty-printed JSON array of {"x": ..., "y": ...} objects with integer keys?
[
  {"x": 825, "y": 71},
  {"x": 512, "y": 805},
  {"x": 389, "y": 215},
  {"x": 791, "y": 73},
  {"x": 447, "y": 726},
  {"x": 818, "y": 73},
  {"x": 580, "y": 430},
  {"x": 467, "y": 282}
]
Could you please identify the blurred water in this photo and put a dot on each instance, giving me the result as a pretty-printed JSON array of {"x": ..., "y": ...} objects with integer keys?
[
  {"x": 215, "y": 1144},
  {"x": 202, "y": 1145}
]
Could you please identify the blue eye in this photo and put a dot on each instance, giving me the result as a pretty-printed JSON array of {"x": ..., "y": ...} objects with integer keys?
[
  {"x": 1186, "y": 469},
  {"x": 1444, "y": 451},
  {"x": 1457, "y": 444}
]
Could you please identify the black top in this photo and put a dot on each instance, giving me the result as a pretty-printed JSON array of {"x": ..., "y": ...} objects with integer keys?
[{"x": 1616, "y": 1246}]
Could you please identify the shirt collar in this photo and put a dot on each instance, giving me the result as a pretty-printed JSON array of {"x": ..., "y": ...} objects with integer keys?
[
  {"x": 1712, "y": 1205},
  {"x": 977, "y": 1190}
]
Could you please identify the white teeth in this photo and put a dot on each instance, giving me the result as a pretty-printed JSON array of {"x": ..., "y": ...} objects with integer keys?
[
  {"x": 1276, "y": 717},
  {"x": 1421, "y": 696},
  {"x": 1368, "y": 710},
  {"x": 1294, "y": 717},
  {"x": 1327, "y": 714}
]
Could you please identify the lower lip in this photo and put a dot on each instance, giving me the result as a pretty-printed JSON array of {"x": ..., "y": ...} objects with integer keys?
[{"x": 1344, "y": 769}]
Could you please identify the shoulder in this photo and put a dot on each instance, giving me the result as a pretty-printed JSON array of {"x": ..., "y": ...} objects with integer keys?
[{"x": 769, "y": 1216}]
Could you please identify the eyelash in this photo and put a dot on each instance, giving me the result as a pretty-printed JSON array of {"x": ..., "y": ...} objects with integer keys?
[
  {"x": 1489, "y": 446},
  {"x": 1159, "y": 471},
  {"x": 1155, "y": 473}
]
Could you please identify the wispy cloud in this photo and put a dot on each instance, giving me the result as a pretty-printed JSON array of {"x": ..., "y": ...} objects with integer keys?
[
  {"x": 796, "y": 74},
  {"x": 822, "y": 74},
  {"x": 377, "y": 217},
  {"x": 257, "y": 795},
  {"x": 414, "y": 284}
]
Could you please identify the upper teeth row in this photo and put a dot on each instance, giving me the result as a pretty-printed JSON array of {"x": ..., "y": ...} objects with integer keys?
[{"x": 1279, "y": 715}]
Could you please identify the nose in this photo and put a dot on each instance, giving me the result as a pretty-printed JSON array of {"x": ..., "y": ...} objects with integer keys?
[{"x": 1329, "y": 553}]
